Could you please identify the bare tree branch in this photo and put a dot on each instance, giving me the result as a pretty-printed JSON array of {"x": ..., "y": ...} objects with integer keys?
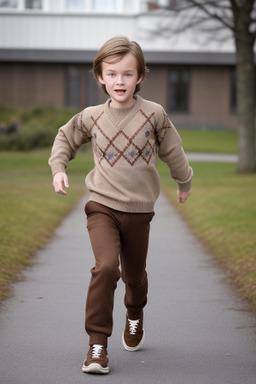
[
  {"x": 216, "y": 19},
  {"x": 213, "y": 9}
]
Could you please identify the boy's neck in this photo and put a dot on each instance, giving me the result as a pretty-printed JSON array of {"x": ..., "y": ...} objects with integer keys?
[
  {"x": 127, "y": 105},
  {"x": 120, "y": 113}
]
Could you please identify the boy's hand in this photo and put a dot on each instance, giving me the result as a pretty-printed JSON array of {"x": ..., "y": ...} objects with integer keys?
[
  {"x": 183, "y": 196},
  {"x": 60, "y": 180}
]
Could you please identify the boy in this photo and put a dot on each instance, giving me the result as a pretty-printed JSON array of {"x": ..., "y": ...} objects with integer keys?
[{"x": 126, "y": 133}]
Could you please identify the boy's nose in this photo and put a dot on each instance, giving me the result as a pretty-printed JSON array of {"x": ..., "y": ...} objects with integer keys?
[{"x": 119, "y": 80}]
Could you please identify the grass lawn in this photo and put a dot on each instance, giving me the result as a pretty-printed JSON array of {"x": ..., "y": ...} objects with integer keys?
[
  {"x": 221, "y": 209},
  {"x": 209, "y": 141},
  {"x": 30, "y": 209}
]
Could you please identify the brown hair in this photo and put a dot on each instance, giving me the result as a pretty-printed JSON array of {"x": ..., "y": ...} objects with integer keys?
[{"x": 118, "y": 47}]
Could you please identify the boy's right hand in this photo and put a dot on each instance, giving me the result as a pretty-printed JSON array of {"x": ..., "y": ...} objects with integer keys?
[{"x": 60, "y": 180}]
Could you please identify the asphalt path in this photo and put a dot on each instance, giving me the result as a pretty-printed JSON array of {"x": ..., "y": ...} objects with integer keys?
[
  {"x": 197, "y": 329},
  {"x": 212, "y": 157}
]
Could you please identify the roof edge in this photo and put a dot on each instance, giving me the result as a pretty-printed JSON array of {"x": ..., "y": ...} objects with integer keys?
[{"x": 87, "y": 56}]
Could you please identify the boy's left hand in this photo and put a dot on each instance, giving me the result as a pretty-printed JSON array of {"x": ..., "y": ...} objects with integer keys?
[{"x": 183, "y": 196}]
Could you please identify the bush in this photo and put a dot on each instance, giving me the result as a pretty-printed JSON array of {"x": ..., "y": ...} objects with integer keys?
[{"x": 37, "y": 127}]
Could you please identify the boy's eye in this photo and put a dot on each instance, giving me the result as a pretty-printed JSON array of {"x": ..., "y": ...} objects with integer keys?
[{"x": 113, "y": 74}]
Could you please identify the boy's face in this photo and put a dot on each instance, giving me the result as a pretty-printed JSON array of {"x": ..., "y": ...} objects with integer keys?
[{"x": 120, "y": 79}]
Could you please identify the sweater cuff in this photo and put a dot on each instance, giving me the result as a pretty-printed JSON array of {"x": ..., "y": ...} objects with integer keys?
[
  {"x": 185, "y": 186},
  {"x": 57, "y": 170}
]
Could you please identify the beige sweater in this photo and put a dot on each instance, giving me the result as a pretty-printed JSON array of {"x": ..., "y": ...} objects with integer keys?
[{"x": 125, "y": 149}]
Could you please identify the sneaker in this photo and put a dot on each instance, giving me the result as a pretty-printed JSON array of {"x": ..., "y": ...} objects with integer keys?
[
  {"x": 96, "y": 360},
  {"x": 133, "y": 335}
]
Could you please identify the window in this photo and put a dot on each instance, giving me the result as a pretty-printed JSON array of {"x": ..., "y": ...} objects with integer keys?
[
  {"x": 34, "y": 4},
  {"x": 73, "y": 87},
  {"x": 164, "y": 4},
  {"x": 92, "y": 5},
  {"x": 22, "y": 5},
  {"x": 76, "y": 5},
  {"x": 178, "y": 90},
  {"x": 8, "y": 3},
  {"x": 91, "y": 90},
  {"x": 104, "y": 5}
]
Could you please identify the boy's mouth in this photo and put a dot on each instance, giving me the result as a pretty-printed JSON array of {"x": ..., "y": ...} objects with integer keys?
[{"x": 120, "y": 91}]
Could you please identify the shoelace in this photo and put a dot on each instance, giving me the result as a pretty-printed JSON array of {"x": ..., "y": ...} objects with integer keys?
[
  {"x": 96, "y": 351},
  {"x": 133, "y": 324}
]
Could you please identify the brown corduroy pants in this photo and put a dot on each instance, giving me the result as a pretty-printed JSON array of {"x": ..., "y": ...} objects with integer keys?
[{"x": 115, "y": 236}]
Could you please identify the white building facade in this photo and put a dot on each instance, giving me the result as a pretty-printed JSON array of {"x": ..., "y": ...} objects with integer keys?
[{"x": 47, "y": 48}]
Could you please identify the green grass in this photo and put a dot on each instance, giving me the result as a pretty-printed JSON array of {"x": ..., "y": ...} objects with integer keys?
[
  {"x": 30, "y": 209},
  {"x": 222, "y": 211},
  {"x": 209, "y": 141}
]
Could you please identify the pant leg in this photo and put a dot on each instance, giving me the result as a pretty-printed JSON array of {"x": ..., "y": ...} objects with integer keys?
[
  {"x": 105, "y": 240},
  {"x": 134, "y": 248}
]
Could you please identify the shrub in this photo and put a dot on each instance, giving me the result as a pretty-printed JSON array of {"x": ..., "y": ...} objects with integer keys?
[{"x": 37, "y": 127}]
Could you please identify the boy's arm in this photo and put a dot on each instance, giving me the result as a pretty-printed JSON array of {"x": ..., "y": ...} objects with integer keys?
[
  {"x": 66, "y": 144},
  {"x": 171, "y": 152}
]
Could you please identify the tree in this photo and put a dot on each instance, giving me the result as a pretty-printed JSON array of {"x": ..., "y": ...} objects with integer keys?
[{"x": 223, "y": 19}]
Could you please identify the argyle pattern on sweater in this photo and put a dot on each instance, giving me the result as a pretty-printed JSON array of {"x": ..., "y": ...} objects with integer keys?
[
  {"x": 123, "y": 145},
  {"x": 130, "y": 148},
  {"x": 125, "y": 148}
]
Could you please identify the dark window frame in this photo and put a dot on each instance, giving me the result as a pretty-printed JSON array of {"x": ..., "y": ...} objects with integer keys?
[
  {"x": 178, "y": 90},
  {"x": 30, "y": 4},
  {"x": 73, "y": 86},
  {"x": 9, "y": 4}
]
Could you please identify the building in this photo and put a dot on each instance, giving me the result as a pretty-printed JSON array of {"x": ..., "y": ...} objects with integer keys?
[{"x": 47, "y": 48}]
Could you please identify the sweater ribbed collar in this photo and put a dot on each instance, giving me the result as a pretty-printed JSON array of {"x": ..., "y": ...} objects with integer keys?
[{"x": 119, "y": 122}]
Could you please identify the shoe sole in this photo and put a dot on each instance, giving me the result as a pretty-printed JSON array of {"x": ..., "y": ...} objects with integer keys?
[
  {"x": 95, "y": 368},
  {"x": 133, "y": 349}
]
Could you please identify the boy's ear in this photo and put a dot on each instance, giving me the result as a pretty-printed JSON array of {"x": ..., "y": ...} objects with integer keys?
[
  {"x": 101, "y": 80},
  {"x": 140, "y": 80}
]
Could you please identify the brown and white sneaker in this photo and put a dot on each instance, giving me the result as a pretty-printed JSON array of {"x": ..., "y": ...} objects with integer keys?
[
  {"x": 133, "y": 335},
  {"x": 96, "y": 360}
]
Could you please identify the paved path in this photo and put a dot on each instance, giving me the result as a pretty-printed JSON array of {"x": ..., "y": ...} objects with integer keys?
[
  {"x": 212, "y": 157},
  {"x": 197, "y": 329}
]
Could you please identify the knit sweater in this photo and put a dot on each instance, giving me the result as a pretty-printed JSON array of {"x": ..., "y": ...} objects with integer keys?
[{"x": 125, "y": 150}]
